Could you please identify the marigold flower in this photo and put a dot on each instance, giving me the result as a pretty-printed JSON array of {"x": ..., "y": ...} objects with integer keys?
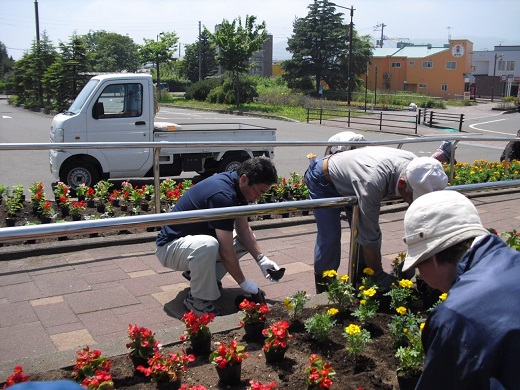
[
  {"x": 287, "y": 304},
  {"x": 405, "y": 283},
  {"x": 421, "y": 326},
  {"x": 344, "y": 277},
  {"x": 443, "y": 296},
  {"x": 370, "y": 292},
  {"x": 333, "y": 311},
  {"x": 330, "y": 273},
  {"x": 363, "y": 302},
  {"x": 401, "y": 310},
  {"x": 368, "y": 271},
  {"x": 352, "y": 329}
]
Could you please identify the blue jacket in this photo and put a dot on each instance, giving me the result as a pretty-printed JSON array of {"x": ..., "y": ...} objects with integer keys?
[{"x": 474, "y": 335}]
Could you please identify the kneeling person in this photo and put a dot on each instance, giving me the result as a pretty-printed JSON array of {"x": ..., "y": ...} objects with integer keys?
[{"x": 210, "y": 249}]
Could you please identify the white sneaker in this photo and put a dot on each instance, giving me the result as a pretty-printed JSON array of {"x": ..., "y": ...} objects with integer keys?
[{"x": 198, "y": 306}]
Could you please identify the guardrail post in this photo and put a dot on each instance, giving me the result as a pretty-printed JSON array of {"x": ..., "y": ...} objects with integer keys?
[
  {"x": 431, "y": 118},
  {"x": 418, "y": 121},
  {"x": 460, "y": 122},
  {"x": 321, "y": 114},
  {"x": 353, "y": 254},
  {"x": 157, "y": 179},
  {"x": 348, "y": 120},
  {"x": 381, "y": 121},
  {"x": 308, "y": 110}
]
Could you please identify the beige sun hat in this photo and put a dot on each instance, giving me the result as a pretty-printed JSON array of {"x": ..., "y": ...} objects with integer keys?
[
  {"x": 424, "y": 175},
  {"x": 436, "y": 221}
]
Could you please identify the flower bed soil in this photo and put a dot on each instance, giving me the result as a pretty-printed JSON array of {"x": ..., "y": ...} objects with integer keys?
[{"x": 374, "y": 369}]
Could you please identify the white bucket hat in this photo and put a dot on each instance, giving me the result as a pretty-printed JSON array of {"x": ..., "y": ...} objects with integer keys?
[
  {"x": 437, "y": 221},
  {"x": 424, "y": 175}
]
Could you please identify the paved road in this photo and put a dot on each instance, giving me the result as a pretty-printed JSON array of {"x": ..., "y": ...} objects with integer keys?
[
  {"x": 27, "y": 167},
  {"x": 54, "y": 301}
]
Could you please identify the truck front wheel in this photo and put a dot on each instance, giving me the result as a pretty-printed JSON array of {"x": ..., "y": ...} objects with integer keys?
[
  {"x": 231, "y": 164},
  {"x": 81, "y": 172}
]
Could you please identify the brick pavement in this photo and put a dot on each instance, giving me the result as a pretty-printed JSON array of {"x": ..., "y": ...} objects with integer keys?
[{"x": 53, "y": 304}]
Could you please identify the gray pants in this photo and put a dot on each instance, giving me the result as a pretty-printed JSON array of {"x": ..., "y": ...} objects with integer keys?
[{"x": 200, "y": 255}]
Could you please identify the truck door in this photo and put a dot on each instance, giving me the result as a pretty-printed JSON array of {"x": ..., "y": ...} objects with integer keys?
[{"x": 119, "y": 114}]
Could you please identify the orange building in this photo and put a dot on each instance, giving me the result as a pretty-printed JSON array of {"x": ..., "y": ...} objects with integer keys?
[{"x": 436, "y": 71}]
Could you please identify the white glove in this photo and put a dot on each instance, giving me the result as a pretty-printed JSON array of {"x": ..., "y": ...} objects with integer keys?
[
  {"x": 249, "y": 287},
  {"x": 264, "y": 263}
]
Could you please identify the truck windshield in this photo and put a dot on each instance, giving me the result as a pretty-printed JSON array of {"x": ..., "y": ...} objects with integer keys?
[{"x": 82, "y": 97}]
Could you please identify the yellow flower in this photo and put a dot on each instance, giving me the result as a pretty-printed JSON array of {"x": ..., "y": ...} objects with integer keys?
[
  {"x": 344, "y": 277},
  {"x": 361, "y": 288},
  {"x": 287, "y": 303},
  {"x": 330, "y": 273},
  {"x": 362, "y": 301},
  {"x": 352, "y": 329},
  {"x": 443, "y": 296},
  {"x": 421, "y": 327},
  {"x": 368, "y": 271},
  {"x": 405, "y": 283},
  {"x": 370, "y": 292},
  {"x": 401, "y": 310},
  {"x": 332, "y": 311},
  {"x": 396, "y": 261},
  {"x": 405, "y": 330},
  {"x": 472, "y": 173}
]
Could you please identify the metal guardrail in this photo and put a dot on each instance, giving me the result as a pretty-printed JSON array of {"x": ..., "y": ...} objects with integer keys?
[
  {"x": 20, "y": 233},
  {"x": 436, "y": 117},
  {"x": 376, "y": 119}
]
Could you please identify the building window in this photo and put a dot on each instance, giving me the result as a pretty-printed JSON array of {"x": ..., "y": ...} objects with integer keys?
[
  {"x": 506, "y": 65},
  {"x": 451, "y": 65},
  {"x": 411, "y": 63},
  {"x": 423, "y": 85},
  {"x": 444, "y": 87},
  {"x": 427, "y": 64},
  {"x": 395, "y": 65}
]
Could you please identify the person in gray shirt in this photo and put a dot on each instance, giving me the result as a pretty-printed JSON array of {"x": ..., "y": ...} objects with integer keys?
[{"x": 370, "y": 174}]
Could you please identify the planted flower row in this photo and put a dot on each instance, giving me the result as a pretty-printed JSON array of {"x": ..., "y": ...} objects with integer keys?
[{"x": 351, "y": 308}]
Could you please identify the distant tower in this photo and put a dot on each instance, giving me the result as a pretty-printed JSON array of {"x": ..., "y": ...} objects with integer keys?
[{"x": 449, "y": 33}]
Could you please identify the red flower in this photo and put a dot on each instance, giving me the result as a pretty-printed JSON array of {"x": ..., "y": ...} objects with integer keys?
[
  {"x": 196, "y": 324},
  {"x": 254, "y": 312},
  {"x": 17, "y": 377},
  {"x": 228, "y": 355},
  {"x": 277, "y": 336}
]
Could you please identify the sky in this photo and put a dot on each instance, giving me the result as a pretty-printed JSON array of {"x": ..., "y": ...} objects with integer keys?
[{"x": 487, "y": 23}]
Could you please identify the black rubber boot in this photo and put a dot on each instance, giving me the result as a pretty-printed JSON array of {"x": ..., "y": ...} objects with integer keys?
[{"x": 321, "y": 283}]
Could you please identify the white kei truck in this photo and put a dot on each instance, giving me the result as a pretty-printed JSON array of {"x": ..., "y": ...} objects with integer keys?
[{"x": 121, "y": 108}]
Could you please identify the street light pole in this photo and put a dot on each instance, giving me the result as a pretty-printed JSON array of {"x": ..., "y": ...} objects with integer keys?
[
  {"x": 494, "y": 75},
  {"x": 349, "y": 80},
  {"x": 349, "y": 95}
]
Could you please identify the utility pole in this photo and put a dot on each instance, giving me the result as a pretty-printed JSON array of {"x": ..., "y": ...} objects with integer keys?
[
  {"x": 494, "y": 75},
  {"x": 349, "y": 95},
  {"x": 382, "y": 26},
  {"x": 36, "y": 17},
  {"x": 200, "y": 54},
  {"x": 351, "y": 9}
]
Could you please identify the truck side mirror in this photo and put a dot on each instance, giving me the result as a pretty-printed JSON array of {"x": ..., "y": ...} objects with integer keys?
[{"x": 98, "y": 111}]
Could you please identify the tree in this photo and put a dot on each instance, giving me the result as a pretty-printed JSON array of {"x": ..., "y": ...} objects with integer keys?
[
  {"x": 208, "y": 62},
  {"x": 320, "y": 49},
  {"x": 29, "y": 72},
  {"x": 6, "y": 61},
  {"x": 67, "y": 75},
  {"x": 159, "y": 51},
  {"x": 111, "y": 52},
  {"x": 236, "y": 44}
]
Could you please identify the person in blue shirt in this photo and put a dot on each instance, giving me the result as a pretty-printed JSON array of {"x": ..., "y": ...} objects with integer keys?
[
  {"x": 472, "y": 339},
  {"x": 207, "y": 250}
]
